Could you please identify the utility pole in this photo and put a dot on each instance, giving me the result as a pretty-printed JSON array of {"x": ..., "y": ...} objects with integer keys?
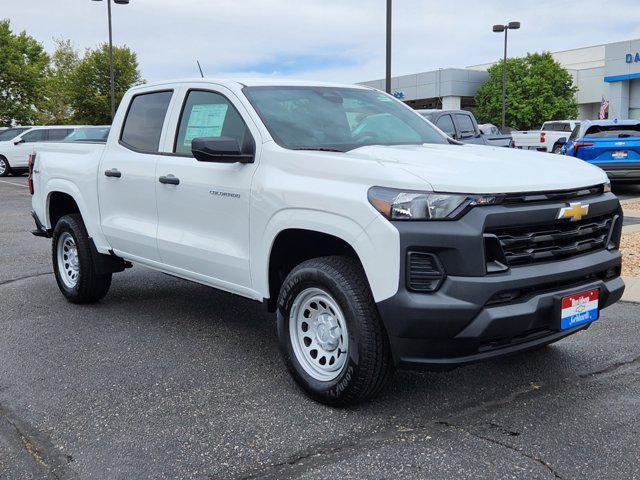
[
  {"x": 505, "y": 29},
  {"x": 388, "y": 73}
]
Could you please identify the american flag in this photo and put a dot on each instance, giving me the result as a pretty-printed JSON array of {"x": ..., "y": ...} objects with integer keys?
[{"x": 604, "y": 104}]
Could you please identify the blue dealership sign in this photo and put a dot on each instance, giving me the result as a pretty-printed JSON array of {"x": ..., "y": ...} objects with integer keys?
[{"x": 631, "y": 58}]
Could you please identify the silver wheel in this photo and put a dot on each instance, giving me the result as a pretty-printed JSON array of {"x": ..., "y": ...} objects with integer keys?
[
  {"x": 68, "y": 261},
  {"x": 318, "y": 333},
  {"x": 3, "y": 167}
]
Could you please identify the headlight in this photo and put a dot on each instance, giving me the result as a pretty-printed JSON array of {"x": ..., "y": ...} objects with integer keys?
[
  {"x": 607, "y": 187},
  {"x": 411, "y": 205}
]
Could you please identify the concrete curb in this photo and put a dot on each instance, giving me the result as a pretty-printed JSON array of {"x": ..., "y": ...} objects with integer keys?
[{"x": 632, "y": 290}]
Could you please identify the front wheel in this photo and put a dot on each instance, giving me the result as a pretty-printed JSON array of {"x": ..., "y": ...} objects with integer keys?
[
  {"x": 331, "y": 335},
  {"x": 5, "y": 169},
  {"x": 73, "y": 263}
]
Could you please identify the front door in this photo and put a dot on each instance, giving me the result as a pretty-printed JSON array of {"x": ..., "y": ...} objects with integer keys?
[
  {"x": 19, "y": 154},
  {"x": 127, "y": 179},
  {"x": 203, "y": 216}
]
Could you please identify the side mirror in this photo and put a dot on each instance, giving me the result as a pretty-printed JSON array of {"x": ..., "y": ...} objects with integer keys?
[
  {"x": 18, "y": 142},
  {"x": 221, "y": 150}
]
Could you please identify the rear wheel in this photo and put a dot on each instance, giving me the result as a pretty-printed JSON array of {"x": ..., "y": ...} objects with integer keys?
[
  {"x": 5, "y": 169},
  {"x": 73, "y": 263},
  {"x": 331, "y": 335}
]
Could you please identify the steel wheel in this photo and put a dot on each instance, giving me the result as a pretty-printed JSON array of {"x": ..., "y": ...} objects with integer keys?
[
  {"x": 68, "y": 261},
  {"x": 318, "y": 333}
]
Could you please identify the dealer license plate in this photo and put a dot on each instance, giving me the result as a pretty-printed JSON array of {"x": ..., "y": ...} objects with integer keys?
[
  {"x": 619, "y": 154},
  {"x": 579, "y": 309}
]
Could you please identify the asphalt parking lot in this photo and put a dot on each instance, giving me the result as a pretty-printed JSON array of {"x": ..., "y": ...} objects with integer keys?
[{"x": 169, "y": 379}]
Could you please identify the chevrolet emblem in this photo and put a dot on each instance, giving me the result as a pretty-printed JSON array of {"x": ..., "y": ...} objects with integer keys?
[{"x": 574, "y": 212}]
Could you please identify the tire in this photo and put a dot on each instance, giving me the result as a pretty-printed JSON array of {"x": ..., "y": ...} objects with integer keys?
[
  {"x": 556, "y": 149},
  {"x": 73, "y": 263},
  {"x": 343, "y": 303},
  {"x": 5, "y": 168}
]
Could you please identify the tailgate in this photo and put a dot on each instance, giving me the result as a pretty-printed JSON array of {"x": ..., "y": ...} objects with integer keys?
[{"x": 609, "y": 150}]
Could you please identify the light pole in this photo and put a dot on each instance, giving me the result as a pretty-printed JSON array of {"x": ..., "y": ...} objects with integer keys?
[
  {"x": 388, "y": 72},
  {"x": 112, "y": 79},
  {"x": 505, "y": 29}
]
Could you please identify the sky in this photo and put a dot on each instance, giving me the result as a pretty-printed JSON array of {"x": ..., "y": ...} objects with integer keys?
[{"x": 329, "y": 40}]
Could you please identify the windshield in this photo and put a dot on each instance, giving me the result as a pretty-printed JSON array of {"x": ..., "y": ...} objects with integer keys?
[
  {"x": 84, "y": 134},
  {"x": 11, "y": 133},
  {"x": 613, "y": 131},
  {"x": 337, "y": 119}
]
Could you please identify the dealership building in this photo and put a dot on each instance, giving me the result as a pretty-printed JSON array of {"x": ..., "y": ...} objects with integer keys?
[{"x": 611, "y": 71}]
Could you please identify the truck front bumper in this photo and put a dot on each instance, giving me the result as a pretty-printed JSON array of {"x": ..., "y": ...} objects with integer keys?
[{"x": 475, "y": 316}]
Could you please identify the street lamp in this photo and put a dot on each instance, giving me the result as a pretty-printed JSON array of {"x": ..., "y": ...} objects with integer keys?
[
  {"x": 112, "y": 81},
  {"x": 505, "y": 29}
]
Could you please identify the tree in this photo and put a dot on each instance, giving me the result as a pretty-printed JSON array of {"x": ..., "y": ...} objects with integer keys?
[
  {"x": 57, "y": 107},
  {"x": 91, "y": 98},
  {"x": 23, "y": 69},
  {"x": 538, "y": 89}
]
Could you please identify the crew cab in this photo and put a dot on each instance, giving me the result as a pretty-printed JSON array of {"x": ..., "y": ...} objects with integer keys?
[
  {"x": 461, "y": 125},
  {"x": 378, "y": 240},
  {"x": 544, "y": 140},
  {"x": 17, "y": 144},
  {"x": 613, "y": 145}
]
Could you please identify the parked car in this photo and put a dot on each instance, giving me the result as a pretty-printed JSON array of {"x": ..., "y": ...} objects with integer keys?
[
  {"x": 544, "y": 139},
  {"x": 613, "y": 145},
  {"x": 17, "y": 144},
  {"x": 461, "y": 125},
  {"x": 326, "y": 203}
]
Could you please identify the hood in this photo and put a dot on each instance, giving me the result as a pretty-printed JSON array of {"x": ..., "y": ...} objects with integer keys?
[{"x": 484, "y": 169}]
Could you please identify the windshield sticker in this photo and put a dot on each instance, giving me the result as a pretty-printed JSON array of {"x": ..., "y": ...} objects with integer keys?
[{"x": 205, "y": 121}]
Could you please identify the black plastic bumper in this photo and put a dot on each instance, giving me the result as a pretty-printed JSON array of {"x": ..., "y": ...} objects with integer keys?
[
  {"x": 621, "y": 172},
  {"x": 468, "y": 318}
]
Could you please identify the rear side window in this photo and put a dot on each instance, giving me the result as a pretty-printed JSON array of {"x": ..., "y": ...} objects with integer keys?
[
  {"x": 465, "y": 124},
  {"x": 445, "y": 124},
  {"x": 208, "y": 114},
  {"x": 57, "y": 134},
  {"x": 34, "y": 136},
  {"x": 143, "y": 126}
]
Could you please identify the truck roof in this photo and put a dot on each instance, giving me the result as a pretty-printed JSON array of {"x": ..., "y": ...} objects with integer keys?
[{"x": 253, "y": 82}]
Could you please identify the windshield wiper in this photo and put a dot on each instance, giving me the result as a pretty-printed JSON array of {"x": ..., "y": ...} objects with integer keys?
[{"x": 320, "y": 149}]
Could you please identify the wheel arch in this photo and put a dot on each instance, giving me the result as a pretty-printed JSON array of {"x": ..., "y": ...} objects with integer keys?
[{"x": 305, "y": 234}]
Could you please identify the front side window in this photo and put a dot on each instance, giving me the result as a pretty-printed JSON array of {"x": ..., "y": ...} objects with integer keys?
[
  {"x": 337, "y": 119},
  {"x": 143, "y": 126},
  {"x": 465, "y": 124},
  {"x": 34, "y": 136},
  {"x": 575, "y": 132},
  {"x": 445, "y": 124},
  {"x": 208, "y": 114}
]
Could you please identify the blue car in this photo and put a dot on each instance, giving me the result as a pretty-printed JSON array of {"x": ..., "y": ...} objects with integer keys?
[{"x": 613, "y": 145}]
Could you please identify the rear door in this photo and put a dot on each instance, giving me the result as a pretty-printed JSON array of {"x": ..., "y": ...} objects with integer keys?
[
  {"x": 19, "y": 154},
  {"x": 203, "y": 228},
  {"x": 127, "y": 178}
]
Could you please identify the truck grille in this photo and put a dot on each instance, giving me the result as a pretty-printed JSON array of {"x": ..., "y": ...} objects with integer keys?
[{"x": 560, "y": 239}]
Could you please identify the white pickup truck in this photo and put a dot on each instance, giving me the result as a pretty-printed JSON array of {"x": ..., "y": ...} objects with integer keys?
[
  {"x": 379, "y": 241},
  {"x": 544, "y": 140}
]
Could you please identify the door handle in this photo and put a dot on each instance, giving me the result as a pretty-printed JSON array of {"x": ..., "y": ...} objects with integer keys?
[
  {"x": 169, "y": 180},
  {"x": 114, "y": 172}
]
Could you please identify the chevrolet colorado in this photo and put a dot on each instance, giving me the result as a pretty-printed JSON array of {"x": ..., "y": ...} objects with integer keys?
[{"x": 379, "y": 241}]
